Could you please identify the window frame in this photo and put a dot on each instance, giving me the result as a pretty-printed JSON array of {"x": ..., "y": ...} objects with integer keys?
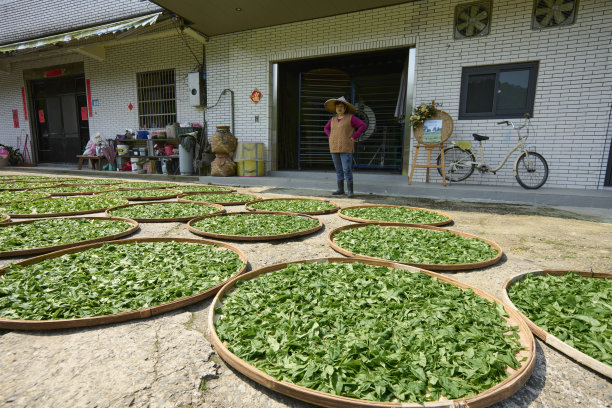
[
  {"x": 466, "y": 72},
  {"x": 156, "y": 104}
]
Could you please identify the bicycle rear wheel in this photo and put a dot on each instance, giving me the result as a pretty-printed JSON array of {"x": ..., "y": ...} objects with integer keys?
[
  {"x": 531, "y": 170},
  {"x": 458, "y": 164}
]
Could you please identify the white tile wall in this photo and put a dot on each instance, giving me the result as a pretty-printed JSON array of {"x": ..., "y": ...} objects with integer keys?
[{"x": 573, "y": 95}]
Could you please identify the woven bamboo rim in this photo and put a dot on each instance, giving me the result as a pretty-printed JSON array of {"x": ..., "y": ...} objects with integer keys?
[
  {"x": 60, "y": 194},
  {"x": 42, "y": 250},
  {"x": 51, "y": 184},
  {"x": 182, "y": 199},
  {"x": 254, "y": 238},
  {"x": 5, "y": 218},
  {"x": 16, "y": 324},
  {"x": 366, "y": 221},
  {"x": 333, "y": 210},
  {"x": 46, "y": 195},
  {"x": 175, "y": 193},
  {"x": 436, "y": 267},
  {"x": 447, "y": 128},
  {"x": 178, "y": 219},
  {"x": 486, "y": 398},
  {"x": 229, "y": 190},
  {"x": 548, "y": 338},
  {"x": 45, "y": 215},
  {"x": 146, "y": 188}
]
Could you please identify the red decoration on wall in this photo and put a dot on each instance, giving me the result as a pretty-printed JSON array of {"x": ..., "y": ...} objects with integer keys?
[
  {"x": 41, "y": 116},
  {"x": 88, "y": 89},
  {"x": 15, "y": 118},
  {"x": 54, "y": 73},
  {"x": 25, "y": 108},
  {"x": 130, "y": 106},
  {"x": 84, "y": 113},
  {"x": 256, "y": 96}
]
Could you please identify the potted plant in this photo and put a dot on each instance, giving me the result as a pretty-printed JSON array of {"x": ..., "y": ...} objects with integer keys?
[{"x": 15, "y": 157}]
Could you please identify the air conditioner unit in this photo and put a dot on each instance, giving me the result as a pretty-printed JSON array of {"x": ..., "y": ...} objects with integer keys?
[{"x": 196, "y": 81}]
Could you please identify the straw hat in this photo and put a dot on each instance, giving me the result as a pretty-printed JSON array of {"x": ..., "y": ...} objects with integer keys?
[{"x": 330, "y": 105}]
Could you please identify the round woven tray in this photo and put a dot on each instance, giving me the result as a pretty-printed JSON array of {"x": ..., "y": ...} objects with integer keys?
[
  {"x": 46, "y": 195},
  {"x": 144, "y": 187},
  {"x": 173, "y": 194},
  {"x": 333, "y": 210},
  {"x": 436, "y": 267},
  {"x": 486, "y": 398},
  {"x": 59, "y": 194},
  {"x": 184, "y": 198},
  {"x": 95, "y": 210},
  {"x": 230, "y": 190},
  {"x": 548, "y": 338},
  {"x": 365, "y": 221},
  {"x": 447, "y": 128},
  {"x": 43, "y": 250},
  {"x": 180, "y": 219},
  {"x": 253, "y": 238},
  {"x": 28, "y": 188},
  {"x": 14, "y": 324}
]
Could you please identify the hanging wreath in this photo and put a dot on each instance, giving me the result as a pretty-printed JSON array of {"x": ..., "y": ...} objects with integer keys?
[{"x": 423, "y": 112}]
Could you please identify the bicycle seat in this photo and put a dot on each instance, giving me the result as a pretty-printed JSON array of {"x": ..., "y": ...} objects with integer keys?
[{"x": 478, "y": 137}]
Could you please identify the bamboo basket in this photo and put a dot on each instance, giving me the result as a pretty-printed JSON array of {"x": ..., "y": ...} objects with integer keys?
[
  {"x": 253, "y": 238},
  {"x": 486, "y": 398},
  {"x": 173, "y": 194},
  {"x": 366, "y": 221},
  {"x": 184, "y": 198},
  {"x": 14, "y": 324},
  {"x": 333, "y": 210},
  {"x": 435, "y": 267},
  {"x": 548, "y": 338},
  {"x": 178, "y": 219},
  {"x": 64, "y": 214},
  {"x": 41, "y": 250}
]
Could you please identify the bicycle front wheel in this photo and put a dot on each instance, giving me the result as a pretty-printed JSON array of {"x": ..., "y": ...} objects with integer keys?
[
  {"x": 531, "y": 170},
  {"x": 458, "y": 164}
]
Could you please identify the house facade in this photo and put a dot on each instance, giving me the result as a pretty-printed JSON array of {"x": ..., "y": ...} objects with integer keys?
[{"x": 483, "y": 61}]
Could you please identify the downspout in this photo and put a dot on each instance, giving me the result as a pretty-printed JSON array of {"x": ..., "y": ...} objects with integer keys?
[{"x": 231, "y": 107}]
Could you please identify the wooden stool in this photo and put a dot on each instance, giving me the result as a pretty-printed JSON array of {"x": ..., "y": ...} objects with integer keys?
[
  {"x": 428, "y": 166},
  {"x": 95, "y": 162},
  {"x": 440, "y": 122}
]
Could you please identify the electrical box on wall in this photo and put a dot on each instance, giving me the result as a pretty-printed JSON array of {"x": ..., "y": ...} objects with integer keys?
[{"x": 196, "y": 82}]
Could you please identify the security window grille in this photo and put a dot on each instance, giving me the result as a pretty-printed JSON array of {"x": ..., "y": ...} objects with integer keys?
[
  {"x": 498, "y": 91},
  {"x": 156, "y": 98}
]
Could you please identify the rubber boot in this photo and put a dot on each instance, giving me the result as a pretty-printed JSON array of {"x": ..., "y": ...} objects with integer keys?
[
  {"x": 340, "y": 189},
  {"x": 349, "y": 187}
]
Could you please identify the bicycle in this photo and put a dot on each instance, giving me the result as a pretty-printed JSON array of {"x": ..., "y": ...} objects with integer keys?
[{"x": 530, "y": 168}]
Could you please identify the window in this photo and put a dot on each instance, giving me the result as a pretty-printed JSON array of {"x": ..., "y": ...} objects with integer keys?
[
  {"x": 156, "y": 98},
  {"x": 498, "y": 91}
]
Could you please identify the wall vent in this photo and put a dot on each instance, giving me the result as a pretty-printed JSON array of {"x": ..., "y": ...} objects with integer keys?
[
  {"x": 472, "y": 19},
  {"x": 553, "y": 13}
]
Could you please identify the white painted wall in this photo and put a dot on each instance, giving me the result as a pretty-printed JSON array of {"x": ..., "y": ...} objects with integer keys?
[{"x": 573, "y": 95}]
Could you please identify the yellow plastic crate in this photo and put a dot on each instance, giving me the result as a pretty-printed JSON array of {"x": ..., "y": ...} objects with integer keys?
[{"x": 250, "y": 168}]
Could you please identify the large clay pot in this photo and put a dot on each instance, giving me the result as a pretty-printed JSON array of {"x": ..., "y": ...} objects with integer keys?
[{"x": 223, "y": 142}]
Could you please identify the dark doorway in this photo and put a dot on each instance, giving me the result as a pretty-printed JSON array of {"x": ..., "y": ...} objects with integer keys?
[
  {"x": 371, "y": 81},
  {"x": 608, "y": 179},
  {"x": 62, "y": 131}
]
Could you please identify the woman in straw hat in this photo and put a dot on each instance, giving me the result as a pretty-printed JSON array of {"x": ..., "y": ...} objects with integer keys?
[{"x": 342, "y": 130}]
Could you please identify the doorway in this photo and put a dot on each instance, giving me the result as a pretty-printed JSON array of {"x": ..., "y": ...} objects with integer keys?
[
  {"x": 371, "y": 81},
  {"x": 61, "y": 126}
]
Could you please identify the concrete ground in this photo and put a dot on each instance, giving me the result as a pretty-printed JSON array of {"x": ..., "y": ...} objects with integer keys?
[{"x": 167, "y": 361}]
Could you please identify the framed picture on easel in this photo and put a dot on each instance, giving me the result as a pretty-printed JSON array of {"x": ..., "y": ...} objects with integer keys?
[{"x": 432, "y": 131}]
